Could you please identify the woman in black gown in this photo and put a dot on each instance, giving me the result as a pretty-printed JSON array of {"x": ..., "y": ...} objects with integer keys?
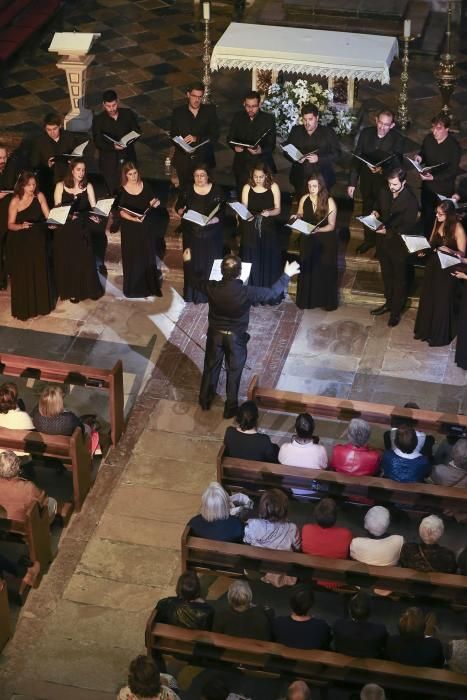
[
  {"x": 317, "y": 282},
  {"x": 75, "y": 270},
  {"x": 139, "y": 235},
  {"x": 27, "y": 251},
  {"x": 461, "y": 344},
  {"x": 260, "y": 245},
  {"x": 205, "y": 242},
  {"x": 436, "y": 320}
]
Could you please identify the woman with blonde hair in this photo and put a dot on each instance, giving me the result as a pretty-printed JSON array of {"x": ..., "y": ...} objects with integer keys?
[
  {"x": 214, "y": 521},
  {"x": 50, "y": 415}
]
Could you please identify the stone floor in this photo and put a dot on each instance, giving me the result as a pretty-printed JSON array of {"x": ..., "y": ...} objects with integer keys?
[{"x": 78, "y": 631}]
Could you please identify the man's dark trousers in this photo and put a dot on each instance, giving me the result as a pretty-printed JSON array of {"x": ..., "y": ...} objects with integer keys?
[
  {"x": 392, "y": 254},
  {"x": 232, "y": 347}
]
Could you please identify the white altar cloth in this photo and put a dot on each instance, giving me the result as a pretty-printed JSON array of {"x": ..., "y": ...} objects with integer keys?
[{"x": 309, "y": 51}]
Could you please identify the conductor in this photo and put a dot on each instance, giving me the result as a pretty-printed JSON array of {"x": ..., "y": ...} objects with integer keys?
[{"x": 229, "y": 314}]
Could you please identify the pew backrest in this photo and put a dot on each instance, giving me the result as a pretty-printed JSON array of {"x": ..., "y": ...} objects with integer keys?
[{"x": 34, "y": 531}]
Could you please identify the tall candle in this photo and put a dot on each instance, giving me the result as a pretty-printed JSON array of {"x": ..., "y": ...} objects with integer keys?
[
  {"x": 407, "y": 27},
  {"x": 206, "y": 11}
]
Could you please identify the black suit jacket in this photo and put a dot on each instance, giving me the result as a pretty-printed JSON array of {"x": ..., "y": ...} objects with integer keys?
[
  {"x": 368, "y": 144},
  {"x": 248, "y": 130}
]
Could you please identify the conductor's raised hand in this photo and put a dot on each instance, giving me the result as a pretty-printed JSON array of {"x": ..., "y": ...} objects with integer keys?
[
  {"x": 186, "y": 255},
  {"x": 292, "y": 268}
]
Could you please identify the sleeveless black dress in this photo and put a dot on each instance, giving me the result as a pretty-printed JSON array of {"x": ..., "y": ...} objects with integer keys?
[
  {"x": 141, "y": 277},
  {"x": 260, "y": 244},
  {"x": 28, "y": 266},
  {"x": 74, "y": 263},
  {"x": 436, "y": 321},
  {"x": 205, "y": 242},
  {"x": 317, "y": 281},
  {"x": 461, "y": 345}
]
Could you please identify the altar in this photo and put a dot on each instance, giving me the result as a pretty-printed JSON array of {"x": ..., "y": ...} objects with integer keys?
[{"x": 259, "y": 47}]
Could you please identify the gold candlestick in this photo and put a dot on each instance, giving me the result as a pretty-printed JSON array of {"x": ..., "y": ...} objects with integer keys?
[
  {"x": 446, "y": 73},
  {"x": 206, "y": 62},
  {"x": 402, "y": 110}
]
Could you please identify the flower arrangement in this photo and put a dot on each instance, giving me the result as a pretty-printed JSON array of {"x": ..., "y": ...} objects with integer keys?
[{"x": 285, "y": 102}]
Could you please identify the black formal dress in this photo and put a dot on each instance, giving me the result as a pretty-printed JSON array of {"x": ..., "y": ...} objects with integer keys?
[
  {"x": 205, "y": 127},
  {"x": 227, "y": 337},
  {"x": 436, "y": 320},
  {"x": 399, "y": 215},
  {"x": 8, "y": 179},
  {"x": 246, "y": 130},
  {"x": 324, "y": 140},
  {"x": 317, "y": 281},
  {"x": 374, "y": 149},
  {"x": 141, "y": 277},
  {"x": 461, "y": 346},
  {"x": 260, "y": 244},
  {"x": 45, "y": 148},
  {"x": 205, "y": 242},
  {"x": 74, "y": 263},
  {"x": 28, "y": 265},
  {"x": 433, "y": 153},
  {"x": 111, "y": 159}
]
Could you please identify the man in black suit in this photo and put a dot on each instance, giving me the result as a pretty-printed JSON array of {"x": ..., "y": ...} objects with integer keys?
[
  {"x": 195, "y": 122},
  {"x": 357, "y": 636},
  {"x": 47, "y": 154},
  {"x": 249, "y": 126},
  {"x": 229, "y": 314},
  {"x": 375, "y": 143},
  {"x": 320, "y": 148},
  {"x": 397, "y": 208},
  {"x": 116, "y": 122}
]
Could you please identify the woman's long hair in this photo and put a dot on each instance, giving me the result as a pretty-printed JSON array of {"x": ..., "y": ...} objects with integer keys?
[
  {"x": 268, "y": 180},
  {"x": 322, "y": 206},
  {"x": 446, "y": 228},
  {"x": 69, "y": 180},
  {"x": 22, "y": 181}
]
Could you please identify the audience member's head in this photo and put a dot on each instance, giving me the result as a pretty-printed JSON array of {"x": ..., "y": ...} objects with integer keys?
[
  {"x": 405, "y": 421},
  {"x": 326, "y": 512},
  {"x": 459, "y": 454},
  {"x": 273, "y": 506},
  {"x": 10, "y": 464},
  {"x": 144, "y": 678},
  {"x": 214, "y": 689},
  {"x": 304, "y": 426},
  {"x": 406, "y": 440},
  {"x": 8, "y": 397},
  {"x": 188, "y": 586},
  {"x": 247, "y": 416},
  {"x": 239, "y": 596},
  {"x": 462, "y": 562},
  {"x": 298, "y": 690},
  {"x": 431, "y": 529},
  {"x": 412, "y": 623},
  {"x": 377, "y": 521},
  {"x": 358, "y": 432},
  {"x": 215, "y": 504},
  {"x": 51, "y": 401},
  {"x": 371, "y": 691},
  {"x": 301, "y": 600},
  {"x": 359, "y": 607}
]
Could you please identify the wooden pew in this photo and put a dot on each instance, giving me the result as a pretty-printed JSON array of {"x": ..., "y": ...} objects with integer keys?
[
  {"x": 346, "y": 409},
  {"x": 80, "y": 375},
  {"x": 5, "y": 627},
  {"x": 34, "y": 531},
  {"x": 233, "y": 559},
  {"x": 204, "y": 648},
  {"x": 72, "y": 451},
  {"x": 252, "y": 477}
]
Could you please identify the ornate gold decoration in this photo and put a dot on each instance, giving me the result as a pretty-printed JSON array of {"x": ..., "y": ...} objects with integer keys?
[
  {"x": 402, "y": 110},
  {"x": 446, "y": 73}
]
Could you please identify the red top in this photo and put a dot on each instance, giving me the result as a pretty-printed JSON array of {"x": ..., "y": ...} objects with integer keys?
[
  {"x": 356, "y": 461},
  {"x": 330, "y": 542}
]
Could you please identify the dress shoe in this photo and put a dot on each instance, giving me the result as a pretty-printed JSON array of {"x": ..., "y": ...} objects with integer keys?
[
  {"x": 74, "y": 300},
  {"x": 205, "y": 405},
  {"x": 230, "y": 412},
  {"x": 394, "y": 320},
  {"x": 383, "y": 309},
  {"x": 364, "y": 247}
]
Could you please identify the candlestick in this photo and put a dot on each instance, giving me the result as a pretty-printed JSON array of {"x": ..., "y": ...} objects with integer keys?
[
  {"x": 403, "y": 112},
  {"x": 206, "y": 54},
  {"x": 446, "y": 73}
]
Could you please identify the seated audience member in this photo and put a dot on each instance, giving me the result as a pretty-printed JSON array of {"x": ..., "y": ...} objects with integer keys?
[
  {"x": 357, "y": 636},
  {"x": 302, "y": 451},
  {"x": 377, "y": 549},
  {"x": 429, "y": 555},
  {"x": 244, "y": 442},
  {"x": 146, "y": 682},
  {"x": 462, "y": 562},
  {"x": 187, "y": 608},
  {"x": 425, "y": 442},
  {"x": 16, "y": 494},
  {"x": 411, "y": 646},
  {"x": 300, "y": 629},
  {"x": 214, "y": 521},
  {"x": 23, "y": 569},
  {"x": 371, "y": 691},
  {"x": 453, "y": 474},
  {"x": 443, "y": 452},
  {"x": 356, "y": 458},
  {"x": 404, "y": 463},
  {"x": 50, "y": 415},
  {"x": 11, "y": 415},
  {"x": 298, "y": 690},
  {"x": 215, "y": 688},
  {"x": 456, "y": 656},
  {"x": 324, "y": 538},
  {"x": 242, "y": 619},
  {"x": 271, "y": 529}
]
